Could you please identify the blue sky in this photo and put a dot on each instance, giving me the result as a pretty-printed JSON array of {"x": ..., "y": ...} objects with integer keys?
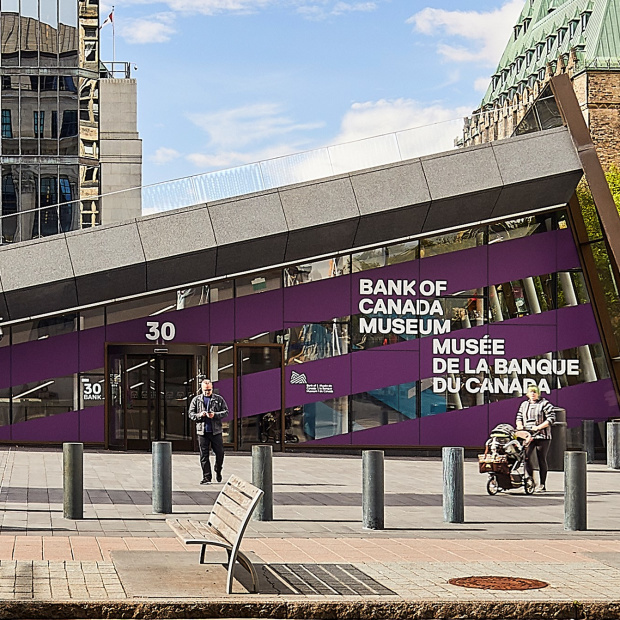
[{"x": 227, "y": 82}]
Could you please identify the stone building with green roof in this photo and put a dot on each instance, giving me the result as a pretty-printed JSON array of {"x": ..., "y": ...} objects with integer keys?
[{"x": 578, "y": 37}]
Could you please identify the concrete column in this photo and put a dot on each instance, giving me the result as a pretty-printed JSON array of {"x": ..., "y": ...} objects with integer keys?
[
  {"x": 73, "y": 480},
  {"x": 575, "y": 491},
  {"x": 453, "y": 485},
  {"x": 162, "y": 477},
  {"x": 588, "y": 439},
  {"x": 613, "y": 444},
  {"x": 372, "y": 490},
  {"x": 262, "y": 477}
]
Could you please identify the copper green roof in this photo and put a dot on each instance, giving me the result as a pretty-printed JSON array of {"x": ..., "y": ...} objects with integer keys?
[{"x": 548, "y": 29}]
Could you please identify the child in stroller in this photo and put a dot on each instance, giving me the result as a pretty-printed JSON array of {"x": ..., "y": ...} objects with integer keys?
[{"x": 504, "y": 460}]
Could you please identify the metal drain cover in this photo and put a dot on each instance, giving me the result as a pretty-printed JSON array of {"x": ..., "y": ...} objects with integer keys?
[
  {"x": 498, "y": 583},
  {"x": 330, "y": 579}
]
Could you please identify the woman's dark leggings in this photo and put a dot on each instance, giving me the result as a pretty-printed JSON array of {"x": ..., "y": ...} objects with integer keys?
[{"x": 542, "y": 448}]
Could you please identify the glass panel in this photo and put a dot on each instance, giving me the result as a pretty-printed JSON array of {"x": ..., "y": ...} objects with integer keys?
[
  {"x": 43, "y": 399},
  {"x": 29, "y": 32},
  {"x": 428, "y": 140},
  {"x": 452, "y": 242},
  {"x": 190, "y": 297},
  {"x": 264, "y": 428},
  {"x": 29, "y": 105},
  {"x": 514, "y": 229},
  {"x": 44, "y": 328},
  {"x": 141, "y": 395},
  {"x": 222, "y": 363},
  {"x": 48, "y": 129},
  {"x": 68, "y": 33},
  {"x": 319, "y": 270},
  {"x": 49, "y": 33},
  {"x": 5, "y": 407},
  {"x": 258, "y": 359},
  {"x": 143, "y": 307},
  {"x": 366, "y": 153},
  {"x": 116, "y": 415},
  {"x": 383, "y": 406},
  {"x": 9, "y": 95},
  {"x": 69, "y": 209},
  {"x": 10, "y": 203},
  {"x": 92, "y": 389},
  {"x": 258, "y": 283},
  {"x": 176, "y": 394},
  {"x": 5, "y": 335},
  {"x": 317, "y": 420},
  {"x": 296, "y": 168},
  {"x": 315, "y": 341},
  {"x": 226, "y": 183},
  {"x": 10, "y": 33},
  {"x": 94, "y": 317}
]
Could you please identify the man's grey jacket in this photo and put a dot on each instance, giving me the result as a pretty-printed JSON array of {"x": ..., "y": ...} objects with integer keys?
[{"x": 217, "y": 405}]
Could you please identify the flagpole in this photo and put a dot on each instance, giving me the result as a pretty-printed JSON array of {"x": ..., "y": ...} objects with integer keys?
[{"x": 113, "y": 41}]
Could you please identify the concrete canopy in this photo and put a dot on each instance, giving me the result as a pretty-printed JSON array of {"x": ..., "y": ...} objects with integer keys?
[{"x": 335, "y": 214}]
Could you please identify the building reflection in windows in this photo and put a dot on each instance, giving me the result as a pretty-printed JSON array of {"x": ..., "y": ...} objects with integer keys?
[
  {"x": 315, "y": 341},
  {"x": 318, "y": 420}
]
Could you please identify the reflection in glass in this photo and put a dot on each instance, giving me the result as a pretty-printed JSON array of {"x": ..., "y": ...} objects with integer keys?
[
  {"x": 317, "y": 420},
  {"x": 318, "y": 270},
  {"x": 40, "y": 329},
  {"x": 452, "y": 242},
  {"x": 5, "y": 406},
  {"x": 43, "y": 399},
  {"x": 315, "y": 341},
  {"x": 258, "y": 283},
  {"x": 387, "y": 405}
]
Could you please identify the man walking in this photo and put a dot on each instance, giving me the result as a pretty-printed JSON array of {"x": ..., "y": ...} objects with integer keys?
[{"x": 207, "y": 410}]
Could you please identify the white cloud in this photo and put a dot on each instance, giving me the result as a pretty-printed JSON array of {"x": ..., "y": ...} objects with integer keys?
[
  {"x": 229, "y": 159},
  {"x": 164, "y": 155},
  {"x": 235, "y": 129},
  {"x": 209, "y": 7},
  {"x": 481, "y": 84},
  {"x": 156, "y": 28},
  {"x": 318, "y": 12},
  {"x": 485, "y": 33}
]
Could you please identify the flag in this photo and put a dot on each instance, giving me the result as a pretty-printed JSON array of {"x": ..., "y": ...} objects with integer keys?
[{"x": 109, "y": 20}]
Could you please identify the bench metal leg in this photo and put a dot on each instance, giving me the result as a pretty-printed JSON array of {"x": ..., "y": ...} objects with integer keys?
[
  {"x": 203, "y": 551},
  {"x": 247, "y": 564}
]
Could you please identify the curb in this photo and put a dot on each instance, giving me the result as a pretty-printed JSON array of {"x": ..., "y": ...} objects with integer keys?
[{"x": 328, "y": 610}]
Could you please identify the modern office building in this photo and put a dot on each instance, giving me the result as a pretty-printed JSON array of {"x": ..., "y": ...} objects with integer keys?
[
  {"x": 578, "y": 37},
  {"x": 405, "y": 305},
  {"x": 59, "y": 149}
]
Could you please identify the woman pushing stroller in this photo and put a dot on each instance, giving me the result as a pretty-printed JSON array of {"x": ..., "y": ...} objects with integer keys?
[{"x": 536, "y": 415}]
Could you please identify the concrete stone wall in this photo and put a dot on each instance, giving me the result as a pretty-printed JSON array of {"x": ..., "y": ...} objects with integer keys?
[
  {"x": 604, "y": 114},
  {"x": 121, "y": 150}
]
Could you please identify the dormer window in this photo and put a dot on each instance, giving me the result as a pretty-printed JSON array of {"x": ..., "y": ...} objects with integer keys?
[
  {"x": 519, "y": 63},
  {"x": 550, "y": 42},
  {"x": 572, "y": 27},
  {"x": 539, "y": 50},
  {"x": 541, "y": 73},
  {"x": 494, "y": 81},
  {"x": 504, "y": 75},
  {"x": 529, "y": 56},
  {"x": 526, "y": 24},
  {"x": 517, "y": 31},
  {"x": 585, "y": 17},
  {"x": 561, "y": 36}
]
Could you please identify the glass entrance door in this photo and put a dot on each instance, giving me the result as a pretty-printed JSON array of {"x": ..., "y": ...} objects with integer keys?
[
  {"x": 148, "y": 398},
  {"x": 259, "y": 400}
]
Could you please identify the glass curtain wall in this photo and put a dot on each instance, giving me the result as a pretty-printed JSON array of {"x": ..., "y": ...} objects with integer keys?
[{"x": 49, "y": 97}]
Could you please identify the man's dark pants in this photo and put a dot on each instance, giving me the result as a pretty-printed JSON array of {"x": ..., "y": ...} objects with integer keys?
[{"x": 217, "y": 443}]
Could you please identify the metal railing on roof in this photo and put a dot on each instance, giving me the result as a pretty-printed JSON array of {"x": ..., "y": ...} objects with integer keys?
[{"x": 242, "y": 180}]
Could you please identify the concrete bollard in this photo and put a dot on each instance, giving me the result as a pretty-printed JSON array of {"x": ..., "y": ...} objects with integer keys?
[
  {"x": 453, "y": 485},
  {"x": 373, "y": 484},
  {"x": 162, "y": 477},
  {"x": 73, "y": 480},
  {"x": 588, "y": 439},
  {"x": 575, "y": 491},
  {"x": 613, "y": 444},
  {"x": 262, "y": 477},
  {"x": 557, "y": 448}
]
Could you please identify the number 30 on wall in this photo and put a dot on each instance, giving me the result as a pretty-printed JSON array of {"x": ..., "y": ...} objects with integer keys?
[{"x": 165, "y": 331}]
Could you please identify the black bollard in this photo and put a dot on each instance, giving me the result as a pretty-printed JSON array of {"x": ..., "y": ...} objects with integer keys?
[
  {"x": 575, "y": 491},
  {"x": 162, "y": 477},
  {"x": 73, "y": 480},
  {"x": 372, "y": 490},
  {"x": 262, "y": 477},
  {"x": 453, "y": 485},
  {"x": 557, "y": 447}
]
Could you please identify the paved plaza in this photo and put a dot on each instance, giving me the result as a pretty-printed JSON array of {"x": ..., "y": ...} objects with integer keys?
[{"x": 317, "y": 521}]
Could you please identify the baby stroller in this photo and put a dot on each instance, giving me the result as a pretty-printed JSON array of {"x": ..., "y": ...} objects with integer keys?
[{"x": 504, "y": 460}]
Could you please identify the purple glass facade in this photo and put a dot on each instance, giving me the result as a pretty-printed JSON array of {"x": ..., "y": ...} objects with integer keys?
[{"x": 360, "y": 396}]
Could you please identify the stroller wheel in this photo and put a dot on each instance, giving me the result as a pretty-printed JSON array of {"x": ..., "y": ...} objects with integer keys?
[
  {"x": 529, "y": 485},
  {"x": 492, "y": 486}
]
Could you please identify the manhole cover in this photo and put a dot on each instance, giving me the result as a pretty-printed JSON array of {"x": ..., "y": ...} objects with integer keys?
[{"x": 498, "y": 583}]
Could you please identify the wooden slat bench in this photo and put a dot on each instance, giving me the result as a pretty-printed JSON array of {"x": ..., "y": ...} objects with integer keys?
[{"x": 226, "y": 525}]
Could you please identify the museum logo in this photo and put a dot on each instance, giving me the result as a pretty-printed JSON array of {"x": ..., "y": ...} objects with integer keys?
[{"x": 298, "y": 378}]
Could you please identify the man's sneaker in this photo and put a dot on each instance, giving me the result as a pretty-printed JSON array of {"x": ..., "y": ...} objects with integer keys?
[
  {"x": 218, "y": 476},
  {"x": 540, "y": 489},
  {"x": 205, "y": 481}
]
